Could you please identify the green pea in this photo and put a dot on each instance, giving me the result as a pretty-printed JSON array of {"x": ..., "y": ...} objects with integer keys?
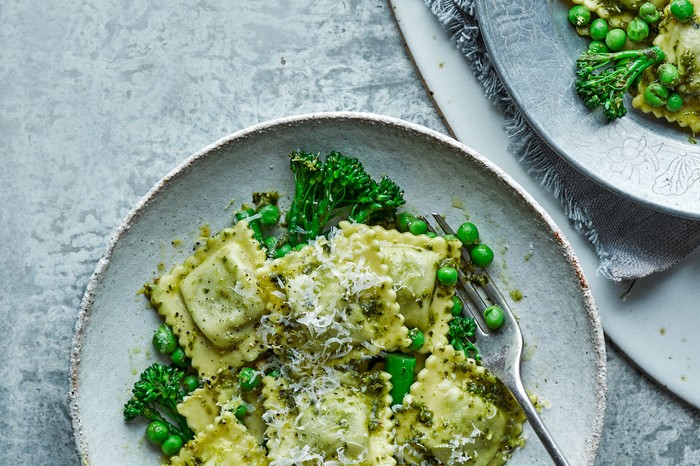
[
  {"x": 191, "y": 383},
  {"x": 450, "y": 237},
  {"x": 668, "y": 75},
  {"x": 418, "y": 227},
  {"x": 282, "y": 250},
  {"x": 457, "y": 306},
  {"x": 481, "y": 255},
  {"x": 648, "y": 13},
  {"x": 637, "y": 30},
  {"x": 179, "y": 358},
  {"x": 269, "y": 215},
  {"x": 417, "y": 338},
  {"x": 274, "y": 374},
  {"x": 447, "y": 276},
  {"x": 403, "y": 220},
  {"x": 494, "y": 317},
  {"x": 171, "y": 446},
  {"x": 579, "y": 15},
  {"x": 431, "y": 234},
  {"x": 300, "y": 246},
  {"x": 616, "y": 39},
  {"x": 598, "y": 29},
  {"x": 656, "y": 94},
  {"x": 241, "y": 412},
  {"x": 675, "y": 102},
  {"x": 248, "y": 378},
  {"x": 468, "y": 234},
  {"x": 157, "y": 432},
  {"x": 597, "y": 46},
  {"x": 164, "y": 340},
  {"x": 683, "y": 10}
]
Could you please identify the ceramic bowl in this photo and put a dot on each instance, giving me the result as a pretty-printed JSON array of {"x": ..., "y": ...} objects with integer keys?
[{"x": 564, "y": 363}]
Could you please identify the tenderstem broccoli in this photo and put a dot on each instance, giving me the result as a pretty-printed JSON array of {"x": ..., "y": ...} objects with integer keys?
[
  {"x": 460, "y": 335},
  {"x": 604, "y": 78},
  {"x": 155, "y": 397},
  {"x": 335, "y": 188}
]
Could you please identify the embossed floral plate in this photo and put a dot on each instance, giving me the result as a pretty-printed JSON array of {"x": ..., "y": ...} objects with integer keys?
[
  {"x": 565, "y": 353},
  {"x": 534, "y": 49}
]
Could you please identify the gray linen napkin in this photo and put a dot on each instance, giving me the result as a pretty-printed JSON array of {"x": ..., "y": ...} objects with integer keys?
[{"x": 632, "y": 241}]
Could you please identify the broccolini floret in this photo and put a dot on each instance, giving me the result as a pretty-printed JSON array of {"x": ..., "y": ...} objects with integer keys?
[
  {"x": 604, "y": 78},
  {"x": 336, "y": 188},
  {"x": 155, "y": 397},
  {"x": 460, "y": 335}
]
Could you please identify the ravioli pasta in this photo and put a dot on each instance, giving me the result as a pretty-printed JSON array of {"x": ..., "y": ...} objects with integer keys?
[
  {"x": 213, "y": 303},
  {"x": 314, "y": 325},
  {"x": 429, "y": 425}
]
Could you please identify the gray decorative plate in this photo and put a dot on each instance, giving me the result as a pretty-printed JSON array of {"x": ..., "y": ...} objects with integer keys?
[
  {"x": 534, "y": 49},
  {"x": 565, "y": 352}
]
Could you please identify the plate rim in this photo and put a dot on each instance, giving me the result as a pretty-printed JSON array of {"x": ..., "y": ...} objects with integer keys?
[{"x": 83, "y": 318}]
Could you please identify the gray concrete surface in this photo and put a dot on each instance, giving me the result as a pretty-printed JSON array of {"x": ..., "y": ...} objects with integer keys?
[{"x": 99, "y": 99}]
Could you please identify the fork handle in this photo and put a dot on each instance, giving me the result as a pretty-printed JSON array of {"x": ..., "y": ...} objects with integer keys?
[{"x": 533, "y": 417}]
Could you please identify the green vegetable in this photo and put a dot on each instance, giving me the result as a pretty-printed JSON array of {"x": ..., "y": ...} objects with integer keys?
[
  {"x": 447, "y": 276},
  {"x": 600, "y": 81},
  {"x": 179, "y": 358},
  {"x": 481, "y": 255},
  {"x": 336, "y": 188},
  {"x": 616, "y": 39},
  {"x": 457, "y": 306},
  {"x": 431, "y": 234},
  {"x": 155, "y": 397},
  {"x": 269, "y": 215},
  {"x": 656, "y": 94},
  {"x": 598, "y": 29},
  {"x": 241, "y": 412},
  {"x": 282, "y": 251},
  {"x": 164, "y": 340},
  {"x": 460, "y": 335},
  {"x": 402, "y": 368},
  {"x": 494, "y": 317},
  {"x": 674, "y": 102},
  {"x": 253, "y": 224},
  {"x": 403, "y": 220},
  {"x": 683, "y": 10},
  {"x": 597, "y": 46},
  {"x": 417, "y": 338},
  {"x": 191, "y": 383},
  {"x": 171, "y": 446},
  {"x": 648, "y": 13},
  {"x": 248, "y": 378},
  {"x": 637, "y": 30},
  {"x": 579, "y": 15},
  {"x": 668, "y": 74},
  {"x": 157, "y": 432},
  {"x": 468, "y": 234},
  {"x": 418, "y": 227}
]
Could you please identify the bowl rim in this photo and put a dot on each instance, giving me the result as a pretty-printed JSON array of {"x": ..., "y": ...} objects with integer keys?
[{"x": 95, "y": 280}]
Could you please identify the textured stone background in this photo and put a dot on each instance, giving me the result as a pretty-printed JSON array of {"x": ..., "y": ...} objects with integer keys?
[{"x": 99, "y": 99}]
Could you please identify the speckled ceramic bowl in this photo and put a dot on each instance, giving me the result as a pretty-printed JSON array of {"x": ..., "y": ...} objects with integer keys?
[{"x": 564, "y": 361}]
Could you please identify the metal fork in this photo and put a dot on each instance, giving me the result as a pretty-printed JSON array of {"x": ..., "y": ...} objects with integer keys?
[{"x": 501, "y": 349}]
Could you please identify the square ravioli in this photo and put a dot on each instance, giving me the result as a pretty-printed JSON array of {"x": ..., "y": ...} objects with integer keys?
[
  {"x": 453, "y": 413},
  {"x": 413, "y": 261},
  {"x": 332, "y": 301},
  {"x": 338, "y": 417},
  {"x": 212, "y": 301}
]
